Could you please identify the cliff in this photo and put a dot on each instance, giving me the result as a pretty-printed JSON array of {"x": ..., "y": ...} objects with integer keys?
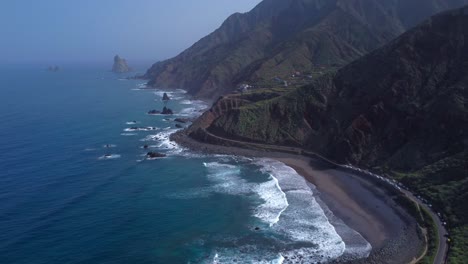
[
  {"x": 400, "y": 109},
  {"x": 279, "y": 37}
]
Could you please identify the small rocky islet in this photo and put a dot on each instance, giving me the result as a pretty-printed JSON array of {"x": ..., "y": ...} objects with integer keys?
[
  {"x": 120, "y": 65},
  {"x": 165, "y": 111},
  {"x": 153, "y": 155}
]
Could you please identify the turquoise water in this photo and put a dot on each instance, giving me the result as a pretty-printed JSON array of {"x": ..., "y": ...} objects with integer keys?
[{"x": 63, "y": 201}]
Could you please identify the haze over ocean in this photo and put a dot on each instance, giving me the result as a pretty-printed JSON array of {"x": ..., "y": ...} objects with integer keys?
[{"x": 89, "y": 32}]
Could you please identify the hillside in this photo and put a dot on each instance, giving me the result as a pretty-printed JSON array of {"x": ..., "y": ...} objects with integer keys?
[
  {"x": 279, "y": 37},
  {"x": 399, "y": 110}
]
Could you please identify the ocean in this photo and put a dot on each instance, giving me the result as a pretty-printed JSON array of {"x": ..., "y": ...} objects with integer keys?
[{"x": 75, "y": 186}]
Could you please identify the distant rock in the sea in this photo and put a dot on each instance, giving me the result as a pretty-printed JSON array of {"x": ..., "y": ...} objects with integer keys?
[
  {"x": 167, "y": 111},
  {"x": 154, "y": 112},
  {"x": 153, "y": 155},
  {"x": 166, "y": 97},
  {"x": 120, "y": 65},
  {"x": 53, "y": 68}
]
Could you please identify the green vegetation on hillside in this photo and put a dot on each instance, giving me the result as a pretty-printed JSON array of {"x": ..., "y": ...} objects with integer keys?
[
  {"x": 444, "y": 184},
  {"x": 400, "y": 110},
  {"x": 279, "y": 38}
]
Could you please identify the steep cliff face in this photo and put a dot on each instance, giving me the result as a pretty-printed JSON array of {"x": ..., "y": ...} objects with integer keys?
[
  {"x": 403, "y": 104},
  {"x": 120, "y": 65},
  {"x": 400, "y": 109},
  {"x": 279, "y": 37}
]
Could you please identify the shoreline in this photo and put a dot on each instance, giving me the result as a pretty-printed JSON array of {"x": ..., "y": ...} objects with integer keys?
[{"x": 362, "y": 205}]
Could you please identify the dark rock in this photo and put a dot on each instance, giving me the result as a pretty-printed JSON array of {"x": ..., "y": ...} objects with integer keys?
[
  {"x": 257, "y": 228},
  {"x": 120, "y": 65},
  {"x": 153, "y": 155},
  {"x": 181, "y": 120},
  {"x": 166, "y": 97},
  {"x": 167, "y": 111},
  {"x": 179, "y": 126},
  {"x": 153, "y": 112},
  {"x": 145, "y": 146}
]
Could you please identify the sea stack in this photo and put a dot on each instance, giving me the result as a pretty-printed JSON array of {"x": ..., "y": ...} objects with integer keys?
[{"x": 120, "y": 65}]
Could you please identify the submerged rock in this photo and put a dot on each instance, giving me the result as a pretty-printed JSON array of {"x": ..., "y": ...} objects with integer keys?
[{"x": 179, "y": 126}]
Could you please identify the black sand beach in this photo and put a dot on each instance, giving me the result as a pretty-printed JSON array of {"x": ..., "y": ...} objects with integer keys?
[{"x": 355, "y": 199}]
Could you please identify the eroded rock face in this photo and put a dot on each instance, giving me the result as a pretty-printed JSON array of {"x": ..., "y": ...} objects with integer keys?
[{"x": 120, "y": 65}]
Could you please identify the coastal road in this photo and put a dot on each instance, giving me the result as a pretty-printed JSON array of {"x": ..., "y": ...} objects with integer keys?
[{"x": 442, "y": 248}]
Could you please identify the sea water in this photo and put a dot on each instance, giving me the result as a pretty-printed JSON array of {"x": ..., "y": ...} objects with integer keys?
[{"x": 76, "y": 187}]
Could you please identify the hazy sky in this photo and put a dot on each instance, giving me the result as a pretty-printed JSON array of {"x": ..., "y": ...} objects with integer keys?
[{"x": 64, "y": 31}]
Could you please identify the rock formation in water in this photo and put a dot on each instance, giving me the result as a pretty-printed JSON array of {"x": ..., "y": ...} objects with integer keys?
[
  {"x": 166, "y": 97},
  {"x": 120, "y": 65},
  {"x": 153, "y": 155},
  {"x": 167, "y": 111}
]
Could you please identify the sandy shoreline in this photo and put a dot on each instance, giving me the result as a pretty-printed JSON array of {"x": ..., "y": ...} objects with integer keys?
[{"x": 358, "y": 202}]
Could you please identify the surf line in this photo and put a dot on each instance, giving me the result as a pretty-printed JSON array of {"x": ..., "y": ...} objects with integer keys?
[{"x": 284, "y": 198}]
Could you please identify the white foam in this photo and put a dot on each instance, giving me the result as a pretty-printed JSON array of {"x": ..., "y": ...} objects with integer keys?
[
  {"x": 164, "y": 142},
  {"x": 303, "y": 220},
  {"x": 174, "y": 95},
  {"x": 154, "y": 158},
  {"x": 275, "y": 201},
  {"x": 226, "y": 179},
  {"x": 142, "y": 86},
  {"x": 244, "y": 254},
  {"x": 196, "y": 108},
  {"x": 131, "y": 122},
  {"x": 289, "y": 208},
  {"x": 186, "y": 102},
  {"x": 131, "y": 129},
  {"x": 128, "y": 134},
  {"x": 108, "y": 157}
]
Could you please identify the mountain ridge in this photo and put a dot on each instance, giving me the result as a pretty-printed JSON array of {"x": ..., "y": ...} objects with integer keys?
[
  {"x": 279, "y": 37},
  {"x": 399, "y": 110}
]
